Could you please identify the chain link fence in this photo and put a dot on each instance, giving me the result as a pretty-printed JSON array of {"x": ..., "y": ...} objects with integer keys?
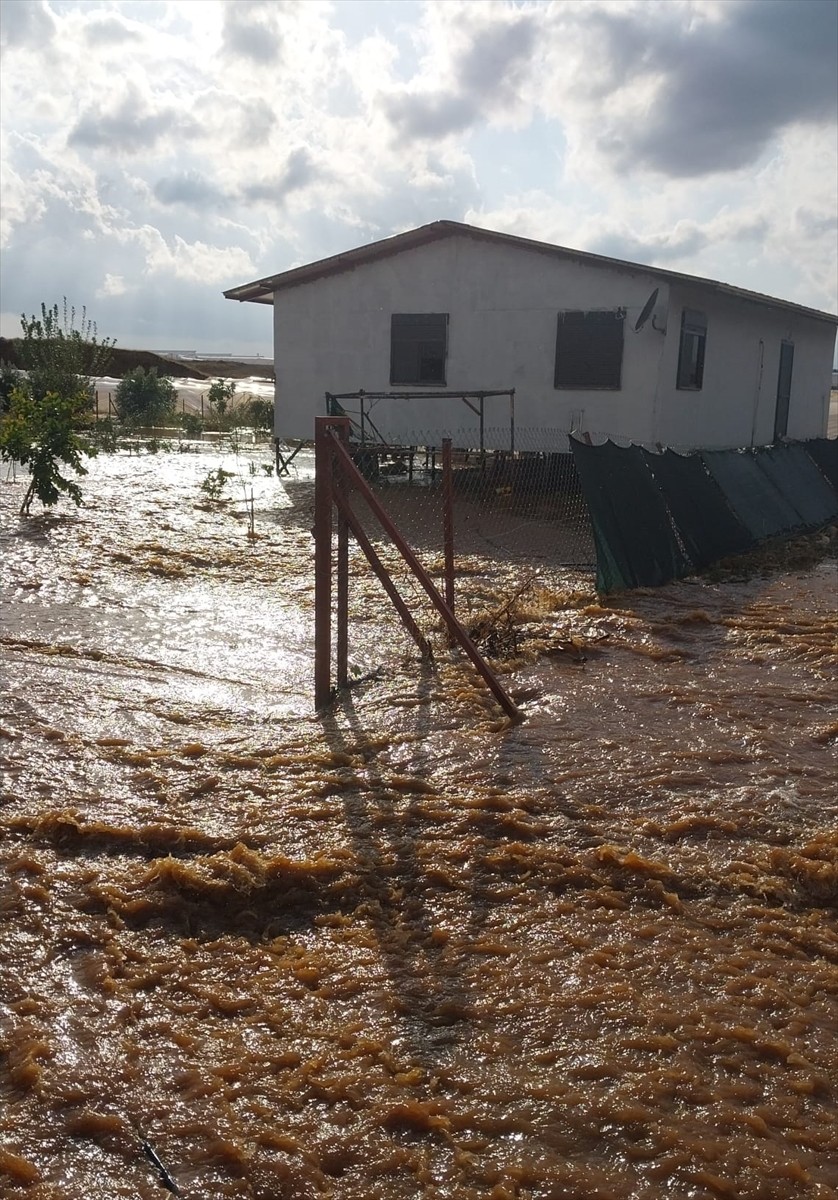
[{"x": 520, "y": 523}]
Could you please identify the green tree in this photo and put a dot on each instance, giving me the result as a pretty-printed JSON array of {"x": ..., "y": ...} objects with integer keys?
[
  {"x": 61, "y": 357},
  {"x": 41, "y": 433},
  {"x": 222, "y": 397},
  {"x": 10, "y": 378},
  {"x": 143, "y": 398},
  {"x": 191, "y": 424},
  {"x": 45, "y": 407},
  {"x": 259, "y": 414}
]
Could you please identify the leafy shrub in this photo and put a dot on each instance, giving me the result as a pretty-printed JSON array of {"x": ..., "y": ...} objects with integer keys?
[
  {"x": 102, "y": 435},
  {"x": 60, "y": 358},
  {"x": 260, "y": 414},
  {"x": 144, "y": 399},
  {"x": 10, "y": 378},
  {"x": 215, "y": 482},
  {"x": 43, "y": 409},
  {"x": 191, "y": 424},
  {"x": 41, "y": 433},
  {"x": 222, "y": 396}
]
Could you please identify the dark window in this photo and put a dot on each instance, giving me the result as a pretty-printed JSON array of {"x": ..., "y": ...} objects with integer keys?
[
  {"x": 691, "y": 352},
  {"x": 589, "y": 349},
  {"x": 418, "y": 347},
  {"x": 781, "y": 412}
]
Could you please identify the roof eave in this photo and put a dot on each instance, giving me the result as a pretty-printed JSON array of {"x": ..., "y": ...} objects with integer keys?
[{"x": 262, "y": 290}]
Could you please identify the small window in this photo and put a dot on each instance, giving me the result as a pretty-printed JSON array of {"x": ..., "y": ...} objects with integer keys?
[
  {"x": 418, "y": 348},
  {"x": 589, "y": 349},
  {"x": 691, "y": 352}
]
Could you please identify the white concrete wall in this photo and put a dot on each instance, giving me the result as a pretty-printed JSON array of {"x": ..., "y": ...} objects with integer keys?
[
  {"x": 333, "y": 334},
  {"x": 737, "y": 402}
]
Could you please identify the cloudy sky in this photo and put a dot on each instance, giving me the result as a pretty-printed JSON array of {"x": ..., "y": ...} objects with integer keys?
[{"x": 156, "y": 152}]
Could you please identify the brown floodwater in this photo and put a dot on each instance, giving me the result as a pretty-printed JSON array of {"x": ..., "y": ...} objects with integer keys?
[{"x": 404, "y": 949}]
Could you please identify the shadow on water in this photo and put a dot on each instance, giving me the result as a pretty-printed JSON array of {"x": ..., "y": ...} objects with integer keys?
[{"x": 386, "y": 831}]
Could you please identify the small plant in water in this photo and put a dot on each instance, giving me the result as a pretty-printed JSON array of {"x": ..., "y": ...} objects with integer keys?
[
  {"x": 251, "y": 511},
  {"x": 215, "y": 482},
  {"x": 103, "y": 435},
  {"x": 191, "y": 424},
  {"x": 222, "y": 395}
]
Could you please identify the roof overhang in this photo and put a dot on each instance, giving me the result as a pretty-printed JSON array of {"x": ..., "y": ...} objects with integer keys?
[{"x": 261, "y": 291}]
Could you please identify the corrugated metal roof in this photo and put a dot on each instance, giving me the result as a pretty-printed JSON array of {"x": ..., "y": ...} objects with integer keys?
[{"x": 261, "y": 290}]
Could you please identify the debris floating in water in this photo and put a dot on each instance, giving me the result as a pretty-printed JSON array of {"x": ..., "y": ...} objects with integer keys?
[{"x": 166, "y": 1178}]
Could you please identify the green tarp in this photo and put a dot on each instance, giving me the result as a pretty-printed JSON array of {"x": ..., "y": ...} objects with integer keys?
[
  {"x": 708, "y": 527},
  {"x": 795, "y": 475},
  {"x": 757, "y": 501},
  {"x": 635, "y": 542},
  {"x": 656, "y": 517},
  {"x": 824, "y": 453}
]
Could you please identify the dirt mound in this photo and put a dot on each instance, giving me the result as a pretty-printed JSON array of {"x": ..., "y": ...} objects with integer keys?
[
  {"x": 123, "y": 361},
  {"x": 226, "y": 368}
]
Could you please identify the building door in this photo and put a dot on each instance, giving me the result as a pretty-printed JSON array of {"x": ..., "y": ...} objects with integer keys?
[{"x": 781, "y": 413}]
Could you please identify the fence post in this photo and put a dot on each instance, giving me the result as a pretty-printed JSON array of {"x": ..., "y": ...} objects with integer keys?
[
  {"x": 448, "y": 521},
  {"x": 345, "y": 463},
  {"x": 342, "y": 642},
  {"x": 322, "y": 562}
]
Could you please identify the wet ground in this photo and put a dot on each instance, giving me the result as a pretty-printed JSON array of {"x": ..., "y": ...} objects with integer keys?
[{"x": 404, "y": 949}]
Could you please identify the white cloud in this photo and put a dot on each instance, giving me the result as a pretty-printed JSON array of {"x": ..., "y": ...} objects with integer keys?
[
  {"x": 196, "y": 144},
  {"x": 113, "y": 285},
  {"x": 192, "y": 262}
]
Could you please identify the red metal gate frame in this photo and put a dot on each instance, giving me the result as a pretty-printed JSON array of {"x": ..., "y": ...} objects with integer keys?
[{"x": 334, "y": 472}]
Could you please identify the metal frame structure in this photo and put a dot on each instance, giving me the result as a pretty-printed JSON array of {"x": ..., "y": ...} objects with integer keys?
[
  {"x": 336, "y": 475},
  {"x": 475, "y": 400}
]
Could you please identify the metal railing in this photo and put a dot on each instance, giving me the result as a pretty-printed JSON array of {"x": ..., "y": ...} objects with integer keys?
[{"x": 337, "y": 482}]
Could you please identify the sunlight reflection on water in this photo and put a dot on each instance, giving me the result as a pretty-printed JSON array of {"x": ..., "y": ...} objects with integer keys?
[{"x": 439, "y": 946}]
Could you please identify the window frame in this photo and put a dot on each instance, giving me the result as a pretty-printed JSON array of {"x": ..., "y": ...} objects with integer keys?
[
  {"x": 607, "y": 319},
  {"x": 689, "y": 376},
  {"x": 421, "y": 346}
]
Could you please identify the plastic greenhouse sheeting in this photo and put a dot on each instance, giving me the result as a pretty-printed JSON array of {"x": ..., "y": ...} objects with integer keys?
[
  {"x": 635, "y": 542},
  {"x": 757, "y": 502},
  {"x": 708, "y": 527}
]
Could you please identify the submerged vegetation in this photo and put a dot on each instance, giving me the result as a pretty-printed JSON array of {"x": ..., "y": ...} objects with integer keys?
[
  {"x": 46, "y": 406},
  {"x": 49, "y": 420},
  {"x": 62, "y": 354},
  {"x": 145, "y": 399},
  {"x": 42, "y": 434}
]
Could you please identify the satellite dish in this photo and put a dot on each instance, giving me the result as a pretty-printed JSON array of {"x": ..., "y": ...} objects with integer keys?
[{"x": 646, "y": 311}]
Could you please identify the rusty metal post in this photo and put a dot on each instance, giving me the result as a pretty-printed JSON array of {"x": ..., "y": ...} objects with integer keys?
[
  {"x": 322, "y": 562},
  {"x": 342, "y": 641},
  {"x": 380, "y": 572},
  {"x": 448, "y": 521},
  {"x": 457, "y": 631}
]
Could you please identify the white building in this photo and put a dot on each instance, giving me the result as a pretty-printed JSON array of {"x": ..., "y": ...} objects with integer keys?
[{"x": 590, "y": 344}]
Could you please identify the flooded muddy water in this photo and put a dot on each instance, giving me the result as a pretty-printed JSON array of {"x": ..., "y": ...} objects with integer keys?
[{"x": 404, "y": 949}]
